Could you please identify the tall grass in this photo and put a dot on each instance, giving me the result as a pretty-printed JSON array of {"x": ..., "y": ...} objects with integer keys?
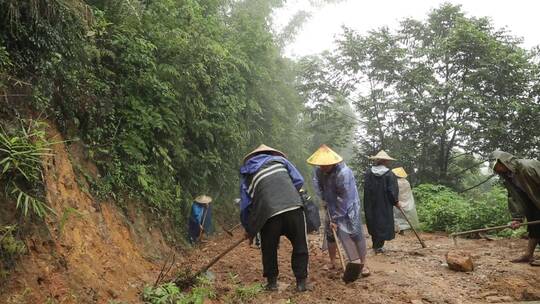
[{"x": 22, "y": 148}]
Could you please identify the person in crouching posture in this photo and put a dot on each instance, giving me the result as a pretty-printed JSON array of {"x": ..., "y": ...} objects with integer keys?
[
  {"x": 521, "y": 177},
  {"x": 270, "y": 204}
]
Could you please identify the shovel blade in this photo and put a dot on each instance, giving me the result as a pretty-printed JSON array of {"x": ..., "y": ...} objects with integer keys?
[{"x": 352, "y": 272}]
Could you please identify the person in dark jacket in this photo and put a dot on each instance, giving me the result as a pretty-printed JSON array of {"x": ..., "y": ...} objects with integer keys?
[
  {"x": 380, "y": 196},
  {"x": 270, "y": 204},
  {"x": 521, "y": 177}
]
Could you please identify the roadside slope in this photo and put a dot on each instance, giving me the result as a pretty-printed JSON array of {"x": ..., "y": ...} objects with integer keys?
[{"x": 92, "y": 252}]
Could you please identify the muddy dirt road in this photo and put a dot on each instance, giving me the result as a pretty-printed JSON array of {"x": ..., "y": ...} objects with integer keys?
[{"x": 406, "y": 273}]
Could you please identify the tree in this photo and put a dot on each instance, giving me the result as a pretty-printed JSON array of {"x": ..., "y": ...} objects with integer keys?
[
  {"x": 436, "y": 87},
  {"x": 329, "y": 115}
]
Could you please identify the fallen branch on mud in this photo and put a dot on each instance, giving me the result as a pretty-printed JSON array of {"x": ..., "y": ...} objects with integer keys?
[{"x": 163, "y": 273}]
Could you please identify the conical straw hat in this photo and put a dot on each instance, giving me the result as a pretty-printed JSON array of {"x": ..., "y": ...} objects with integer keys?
[
  {"x": 400, "y": 172},
  {"x": 324, "y": 156},
  {"x": 263, "y": 148},
  {"x": 203, "y": 199},
  {"x": 382, "y": 155}
]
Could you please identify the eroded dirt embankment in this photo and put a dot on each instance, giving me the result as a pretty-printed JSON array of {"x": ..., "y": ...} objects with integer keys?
[{"x": 93, "y": 252}]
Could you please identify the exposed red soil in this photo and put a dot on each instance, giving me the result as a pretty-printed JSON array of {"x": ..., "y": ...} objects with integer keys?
[
  {"x": 91, "y": 253},
  {"x": 405, "y": 274},
  {"x": 98, "y": 254}
]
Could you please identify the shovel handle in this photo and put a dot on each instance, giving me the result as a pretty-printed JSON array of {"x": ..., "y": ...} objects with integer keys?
[
  {"x": 334, "y": 233},
  {"x": 202, "y": 224},
  {"x": 229, "y": 232},
  {"x": 493, "y": 228},
  {"x": 414, "y": 230},
  {"x": 219, "y": 256}
]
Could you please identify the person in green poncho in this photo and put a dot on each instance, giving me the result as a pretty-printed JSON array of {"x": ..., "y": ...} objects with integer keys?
[{"x": 521, "y": 177}]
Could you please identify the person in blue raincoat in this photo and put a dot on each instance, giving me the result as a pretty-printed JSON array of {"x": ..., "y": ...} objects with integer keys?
[
  {"x": 335, "y": 185},
  {"x": 200, "y": 219}
]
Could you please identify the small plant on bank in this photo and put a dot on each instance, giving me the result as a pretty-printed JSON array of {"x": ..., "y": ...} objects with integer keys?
[
  {"x": 169, "y": 293},
  {"x": 21, "y": 150},
  {"x": 10, "y": 249},
  {"x": 246, "y": 293},
  {"x": 241, "y": 293}
]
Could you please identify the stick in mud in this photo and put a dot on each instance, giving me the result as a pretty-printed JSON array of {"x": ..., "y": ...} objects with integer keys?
[{"x": 163, "y": 273}]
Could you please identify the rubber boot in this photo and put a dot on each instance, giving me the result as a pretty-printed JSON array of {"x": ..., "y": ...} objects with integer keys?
[
  {"x": 301, "y": 285},
  {"x": 271, "y": 284}
]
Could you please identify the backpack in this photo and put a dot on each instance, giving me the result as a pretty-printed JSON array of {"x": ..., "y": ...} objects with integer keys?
[{"x": 311, "y": 211}]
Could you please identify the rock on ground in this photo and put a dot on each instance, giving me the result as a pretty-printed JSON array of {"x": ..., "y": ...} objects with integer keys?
[{"x": 459, "y": 260}]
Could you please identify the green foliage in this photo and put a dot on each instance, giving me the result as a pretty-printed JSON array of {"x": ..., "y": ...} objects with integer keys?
[
  {"x": 519, "y": 233},
  {"x": 65, "y": 217},
  {"x": 434, "y": 86},
  {"x": 169, "y": 293},
  {"x": 21, "y": 152},
  {"x": 330, "y": 118},
  {"x": 441, "y": 209},
  {"x": 241, "y": 293},
  {"x": 10, "y": 249},
  {"x": 244, "y": 294},
  {"x": 167, "y": 96}
]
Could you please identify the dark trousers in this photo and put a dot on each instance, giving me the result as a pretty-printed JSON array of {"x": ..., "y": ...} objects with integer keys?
[
  {"x": 377, "y": 243},
  {"x": 292, "y": 225}
]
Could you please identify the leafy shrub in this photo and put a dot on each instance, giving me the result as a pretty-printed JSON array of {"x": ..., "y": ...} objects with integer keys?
[
  {"x": 442, "y": 209},
  {"x": 167, "y": 96},
  {"x": 243, "y": 294},
  {"x": 169, "y": 293},
  {"x": 10, "y": 249},
  {"x": 21, "y": 150}
]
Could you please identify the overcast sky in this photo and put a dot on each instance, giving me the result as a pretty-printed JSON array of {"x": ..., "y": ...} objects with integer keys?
[{"x": 520, "y": 17}]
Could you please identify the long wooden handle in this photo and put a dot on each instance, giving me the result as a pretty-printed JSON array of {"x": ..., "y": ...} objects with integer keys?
[
  {"x": 202, "y": 223},
  {"x": 412, "y": 227},
  {"x": 229, "y": 231},
  {"x": 342, "y": 262},
  {"x": 219, "y": 256},
  {"x": 493, "y": 228}
]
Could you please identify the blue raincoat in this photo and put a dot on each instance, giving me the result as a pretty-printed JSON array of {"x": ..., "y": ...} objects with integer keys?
[
  {"x": 198, "y": 211},
  {"x": 338, "y": 189}
]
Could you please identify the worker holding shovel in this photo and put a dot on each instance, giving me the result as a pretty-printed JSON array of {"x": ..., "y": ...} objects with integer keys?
[
  {"x": 271, "y": 204},
  {"x": 200, "y": 219},
  {"x": 334, "y": 183}
]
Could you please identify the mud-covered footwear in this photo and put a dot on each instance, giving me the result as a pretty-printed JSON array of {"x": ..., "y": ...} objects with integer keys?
[
  {"x": 379, "y": 250},
  {"x": 352, "y": 272},
  {"x": 523, "y": 259},
  {"x": 365, "y": 272},
  {"x": 301, "y": 285},
  {"x": 271, "y": 284}
]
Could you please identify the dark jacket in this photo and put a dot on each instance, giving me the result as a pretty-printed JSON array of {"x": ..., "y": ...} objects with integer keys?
[
  {"x": 269, "y": 185},
  {"x": 380, "y": 195}
]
